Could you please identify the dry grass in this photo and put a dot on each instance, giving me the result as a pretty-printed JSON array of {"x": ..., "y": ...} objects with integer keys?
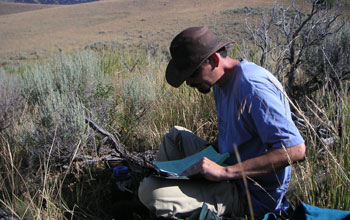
[
  {"x": 75, "y": 26},
  {"x": 7, "y": 8},
  {"x": 131, "y": 105}
]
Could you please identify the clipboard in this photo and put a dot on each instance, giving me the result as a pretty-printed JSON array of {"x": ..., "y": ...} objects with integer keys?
[{"x": 172, "y": 169}]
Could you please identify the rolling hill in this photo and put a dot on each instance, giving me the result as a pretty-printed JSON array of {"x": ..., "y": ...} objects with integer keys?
[{"x": 30, "y": 30}]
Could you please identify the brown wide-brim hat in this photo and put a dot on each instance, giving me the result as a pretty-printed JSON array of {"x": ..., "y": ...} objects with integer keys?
[{"x": 189, "y": 49}]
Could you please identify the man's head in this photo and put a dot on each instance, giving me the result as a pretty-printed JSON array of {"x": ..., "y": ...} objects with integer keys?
[{"x": 189, "y": 50}]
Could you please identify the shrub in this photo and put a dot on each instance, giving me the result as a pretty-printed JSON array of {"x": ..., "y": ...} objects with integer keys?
[
  {"x": 286, "y": 36},
  {"x": 43, "y": 131}
]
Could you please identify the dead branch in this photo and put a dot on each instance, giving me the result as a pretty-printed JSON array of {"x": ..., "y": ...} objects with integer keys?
[
  {"x": 130, "y": 158},
  {"x": 294, "y": 34},
  {"x": 131, "y": 69}
]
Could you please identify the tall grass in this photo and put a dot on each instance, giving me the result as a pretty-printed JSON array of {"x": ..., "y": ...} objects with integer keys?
[
  {"x": 326, "y": 174},
  {"x": 323, "y": 179},
  {"x": 43, "y": 133},
  {"x": 43, "y": 136}
]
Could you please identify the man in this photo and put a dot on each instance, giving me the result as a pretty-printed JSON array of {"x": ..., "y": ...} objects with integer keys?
[{"x": 255, "y": 127}]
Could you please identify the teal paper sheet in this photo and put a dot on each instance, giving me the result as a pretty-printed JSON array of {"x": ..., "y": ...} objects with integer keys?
[{"x": 176, "y": 167}]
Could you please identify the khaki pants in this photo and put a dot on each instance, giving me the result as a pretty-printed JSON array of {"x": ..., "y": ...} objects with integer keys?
[{"x": 178, "y": 198}]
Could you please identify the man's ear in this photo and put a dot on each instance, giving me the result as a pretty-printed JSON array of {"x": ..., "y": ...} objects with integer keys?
[{"x": 214, "y": 60}]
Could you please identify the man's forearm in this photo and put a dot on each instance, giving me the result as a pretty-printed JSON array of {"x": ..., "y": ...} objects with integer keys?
[{"x": 271, "y": 161}]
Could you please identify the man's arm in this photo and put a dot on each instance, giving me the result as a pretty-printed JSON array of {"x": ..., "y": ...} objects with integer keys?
[{"x": 273, "y": 160}]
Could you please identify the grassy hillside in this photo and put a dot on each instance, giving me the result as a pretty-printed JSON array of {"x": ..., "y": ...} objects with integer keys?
[
  {"x": 42, "y": 31},
  {"x": 53, "y": 165},
  {"x": 13, "y": 8},
  {"x": 56, "y": 2}
]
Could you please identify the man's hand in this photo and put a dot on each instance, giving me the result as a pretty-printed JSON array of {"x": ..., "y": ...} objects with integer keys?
[{"x": 206, "y": 168}]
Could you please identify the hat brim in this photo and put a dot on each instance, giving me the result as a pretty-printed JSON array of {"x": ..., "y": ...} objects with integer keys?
[{"x": 175, "y": 77}]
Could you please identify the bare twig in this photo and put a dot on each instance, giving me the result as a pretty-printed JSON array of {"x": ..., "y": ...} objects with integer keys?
[
  {"x": 129, "y": 157},
  {"x": 131, "y": 69},
  {"x": 295, "y": 34}
]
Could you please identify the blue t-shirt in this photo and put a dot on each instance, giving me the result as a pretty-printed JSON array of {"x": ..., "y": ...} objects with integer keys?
[{"x": 254, "y": 116}]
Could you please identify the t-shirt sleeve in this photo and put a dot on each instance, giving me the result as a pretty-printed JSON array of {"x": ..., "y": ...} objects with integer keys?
[{"x": 269, "y": 113}]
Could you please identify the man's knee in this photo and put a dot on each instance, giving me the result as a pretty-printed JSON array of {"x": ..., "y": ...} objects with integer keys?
[
  {"x": 172, "y": 144},
  {"x": 145, "y": 193},
  {"x": 175, "y": 133},
  {"x": 154, "y": 194}
]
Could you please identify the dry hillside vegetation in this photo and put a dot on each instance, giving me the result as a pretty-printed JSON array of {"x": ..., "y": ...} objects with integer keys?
[
  {"x": 36, "y": 32},
  {"x": 55, "y": 166},
  {"x": 12, "y": 8}
]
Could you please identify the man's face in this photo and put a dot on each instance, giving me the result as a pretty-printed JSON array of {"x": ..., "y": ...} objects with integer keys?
[{"x": 200, "y": 79}]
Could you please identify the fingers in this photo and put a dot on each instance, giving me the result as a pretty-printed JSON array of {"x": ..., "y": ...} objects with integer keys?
[
  {"x": 192, "y": 170},
  {"x": 201, "y": 167}
]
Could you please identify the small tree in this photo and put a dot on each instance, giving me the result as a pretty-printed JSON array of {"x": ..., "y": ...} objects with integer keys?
[{"x": 288, "y": 37}]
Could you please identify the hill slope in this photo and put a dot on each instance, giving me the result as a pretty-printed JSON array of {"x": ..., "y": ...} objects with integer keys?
[
  {"x": 12, "y": 8},
  {"x": 38, "y": 29}
]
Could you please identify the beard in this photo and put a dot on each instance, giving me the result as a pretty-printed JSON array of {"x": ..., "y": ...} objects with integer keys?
[{"x": 202, "y": 87}]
